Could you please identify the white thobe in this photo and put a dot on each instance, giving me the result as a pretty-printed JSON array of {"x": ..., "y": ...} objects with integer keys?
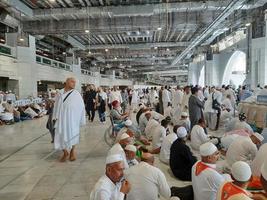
[
  {"x": 117, "y": 149},
  {"x": 142, "y": 122},
  {"x": 242, "y": 125},
  {"x": 259, "y": 160},
  {"x": 185, "y": 101},
  {"x": 168, "y": 111},
  {"x": 105, "y": 189},
  {"x": 157, "y": 137},
  {"x": 207, "y": 183},
  {"x": 147, "y": 182},
  {"x": 177, "y": 98},
  {"x": 150, "y": 128},
  {"x": 134, "y": 101},
  {"x": 69, "y": 116},
  {"x": 165, "y": 98},
  {"x": 198, "y": 137},
  {"x": 165, "y": 149},
  {"x": 242, "y": 149}
]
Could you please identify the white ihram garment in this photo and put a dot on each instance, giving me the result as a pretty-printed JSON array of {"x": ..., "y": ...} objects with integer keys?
[{"x": 69, "y": 116}]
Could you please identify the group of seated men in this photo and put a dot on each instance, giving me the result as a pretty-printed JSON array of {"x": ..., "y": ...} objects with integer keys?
[
  {"x": 192, "y": 156},
  {"x": 9, "y": 113}
]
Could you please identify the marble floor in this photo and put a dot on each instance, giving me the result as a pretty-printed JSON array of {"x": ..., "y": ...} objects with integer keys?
[{"x": 30, "y": 170}]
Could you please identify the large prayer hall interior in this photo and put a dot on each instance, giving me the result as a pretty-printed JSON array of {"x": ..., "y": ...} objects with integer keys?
[{"x": 133, "y": 99}]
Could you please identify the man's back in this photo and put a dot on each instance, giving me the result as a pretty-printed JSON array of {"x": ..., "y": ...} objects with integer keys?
[
  {"x": 242, "y": 149},
  {"x": 147, "y": 182}
]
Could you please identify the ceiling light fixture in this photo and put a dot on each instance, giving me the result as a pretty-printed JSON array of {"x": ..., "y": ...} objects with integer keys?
[
  {"x": 2, "y": 40},
  {"x": 147, "y": 32},
  {"x": 115, "y": 58},
  {"x": 21, "y": 39},
  {"x": 168, "y": 49},
  {"x": 248, "y": 24},
  {"x": 87, "y": 31},
  {"x": 64, "y": 53},
  {"x": 159, "y": 28},
  {"x": 155, "y": 47},
  {"x": 106, "y": 50}
]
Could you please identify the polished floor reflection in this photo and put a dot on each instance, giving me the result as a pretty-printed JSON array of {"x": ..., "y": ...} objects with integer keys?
[{"x": 30, "y": 170}]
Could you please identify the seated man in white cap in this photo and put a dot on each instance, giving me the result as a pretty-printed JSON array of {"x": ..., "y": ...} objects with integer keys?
[
  {"x": 127, "y": 125},
  {"x": 181, "y": 157},
  {"x": 151, "y": 126},
  {"x": 119, "y": 147},
  {"x": 130, "y": 152},
  {"x": 184, "y": 121},
  {"x": 147, "y": 181},
  {"x": 259, "y": 160},
  {"x": 111, "y": 186},
  {"x": 199, "y": 137},
  {"x": 143, "y": 120},
  {"x": 236, "y": 189},
  {"x": 158, "y": 136},
  {"x": 205, "y": 179},
  {"x": 164, "y": 154},
  {"x": 243, "y": 149}
]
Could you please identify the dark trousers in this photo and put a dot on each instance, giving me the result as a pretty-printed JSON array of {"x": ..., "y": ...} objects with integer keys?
[
  {"x": 91, "y": 113},
  {"x": 218, "y": 118},
  {"x": 102, "y": 116}
]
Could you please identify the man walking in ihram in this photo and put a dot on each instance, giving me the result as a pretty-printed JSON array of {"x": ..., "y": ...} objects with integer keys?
[{"x": 69, "y": 115}]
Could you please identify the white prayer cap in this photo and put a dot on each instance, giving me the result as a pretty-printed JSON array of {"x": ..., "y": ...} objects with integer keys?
[
  {"x": 207, "y": 149},
  {"x": 124, "y": 136},
  {"x": 128, "y": 122},
  {"x": 156, "y": 117},
  {"x": 241, "y": 171},
  {"x": 258, "y": 136},
  {"x": 184, "y": 114},
  {"x": 264, "y": 170},
  {"x": 181, "y": 132},
  {"x": 53, "y": 91},
  {"x": 130, "y": 147},
  {"x": 114, "y": 158}
]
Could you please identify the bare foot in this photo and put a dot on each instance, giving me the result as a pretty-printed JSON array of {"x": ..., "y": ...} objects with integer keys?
[
  {"x": 64, "y": 157},
  {"x": 72, "y": 156}
]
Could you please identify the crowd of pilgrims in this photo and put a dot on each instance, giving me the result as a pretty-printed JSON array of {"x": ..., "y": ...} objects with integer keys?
[{"x": 181, "y": 127}]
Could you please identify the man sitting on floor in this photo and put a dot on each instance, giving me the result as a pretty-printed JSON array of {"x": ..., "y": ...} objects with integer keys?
[
  {"x": 158, "y": 136},
  {"x": 130, "y": 152},
  {"x": 111, "y": 186},
  {"x": 119, "y": 147},
  {"x": 236, "y": 189},
  {"x": 181, "y": 157},
  {"x": 205, "y": 179},
  {"x": 243, "y": 149},
  {"x": 147, "y": 181},
  {"x": 199, "y": 137}
]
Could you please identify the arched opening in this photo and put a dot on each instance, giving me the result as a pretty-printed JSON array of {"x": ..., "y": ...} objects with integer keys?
[
  {"x": 235, "y": 71},
  {"x": 201, "y": 80}
]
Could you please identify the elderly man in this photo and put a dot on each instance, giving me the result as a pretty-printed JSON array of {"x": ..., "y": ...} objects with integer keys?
[
  {"x": 236, "y": 189},
  {"x": 181, "y": 157},
  {"x": 130, "y": 152},
  {"x": 243, "y": 149},
  {"x": 151, "y": 126},
  {"x": 111, "y": 186},
  {"x": 119, "y": 147},
  {"x": 205, "y": 179},
  {"x": 144, "y": 118},
  {"x": 69, "y": 115},
  {"x": 185, "y": 100},
  {"x": 165, "y": 98},
  {"x": 195, "y": 106},
  {"x": 147, "y": 181}
]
